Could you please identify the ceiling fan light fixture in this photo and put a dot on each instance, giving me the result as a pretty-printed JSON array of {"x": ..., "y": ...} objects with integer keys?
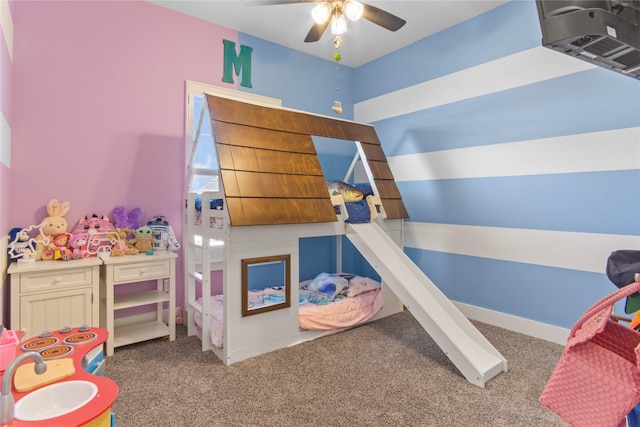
[
  {"x": 338, "y": 24},
  {"x": 353, "y": 9},
  {"x": 321, "y": 12}
]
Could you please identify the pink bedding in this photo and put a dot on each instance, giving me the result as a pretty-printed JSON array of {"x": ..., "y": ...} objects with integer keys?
[
  {"x": 364, "y": 301},
  {"x": 342, "y": 313}
]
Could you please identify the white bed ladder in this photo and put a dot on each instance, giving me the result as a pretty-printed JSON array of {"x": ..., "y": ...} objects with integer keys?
[{"x": 199, "y": 259}]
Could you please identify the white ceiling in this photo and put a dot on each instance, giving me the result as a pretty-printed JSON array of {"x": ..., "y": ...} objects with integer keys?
[{"x": 288, "y": 24}]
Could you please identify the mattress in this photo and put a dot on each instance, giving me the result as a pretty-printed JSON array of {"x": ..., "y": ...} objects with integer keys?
[
  {"x": 341, "y": 313},
  {"x": 316, "y": 312}
]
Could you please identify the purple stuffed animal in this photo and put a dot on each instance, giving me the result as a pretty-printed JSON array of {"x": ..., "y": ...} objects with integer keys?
[{"x": 132, "y": 220}]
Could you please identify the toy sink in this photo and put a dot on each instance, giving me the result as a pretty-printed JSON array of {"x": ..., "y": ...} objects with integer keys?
[{"x": 55, "y": 400}]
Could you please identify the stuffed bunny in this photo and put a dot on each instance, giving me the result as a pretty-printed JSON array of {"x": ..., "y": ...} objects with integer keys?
[{"x": 53, "y": 224}]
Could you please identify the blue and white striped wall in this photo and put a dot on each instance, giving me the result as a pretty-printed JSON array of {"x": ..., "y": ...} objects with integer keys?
[{"x": 519, "y": 166}]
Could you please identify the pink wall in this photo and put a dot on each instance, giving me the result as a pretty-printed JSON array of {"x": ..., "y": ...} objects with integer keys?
[
  {"x": 6, "y": 86},
  {"x": 6, "y": 74},
  {"x": 98, "y": 114}
]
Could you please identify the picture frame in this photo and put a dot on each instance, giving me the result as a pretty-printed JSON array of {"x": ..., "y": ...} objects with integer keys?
[{"x": 266, "y": 284}]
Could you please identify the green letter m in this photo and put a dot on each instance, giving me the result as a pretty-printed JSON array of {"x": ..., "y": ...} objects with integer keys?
[{"x": 240, "y": 62}]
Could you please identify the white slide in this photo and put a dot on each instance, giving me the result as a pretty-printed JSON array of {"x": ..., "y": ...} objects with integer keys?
[{"x": 466, "y": 347}]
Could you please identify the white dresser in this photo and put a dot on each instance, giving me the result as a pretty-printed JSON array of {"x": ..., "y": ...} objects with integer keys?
[{"x": 49, "y": 295}]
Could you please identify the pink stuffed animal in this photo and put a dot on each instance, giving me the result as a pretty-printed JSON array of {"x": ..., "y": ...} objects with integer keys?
[
  {"x": 101, "y": 234},
  {"x": 78, "y": 244}
]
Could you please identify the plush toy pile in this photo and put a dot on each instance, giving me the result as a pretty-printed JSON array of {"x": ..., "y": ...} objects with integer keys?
[{"x": 93, "y": 235}]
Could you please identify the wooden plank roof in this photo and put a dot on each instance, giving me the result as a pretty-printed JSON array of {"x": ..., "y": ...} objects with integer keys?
[{"x": 270, "y": 169}]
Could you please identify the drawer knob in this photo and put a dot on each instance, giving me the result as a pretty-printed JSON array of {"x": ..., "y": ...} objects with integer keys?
[
  {"x": 58, "y": 279},
  {"x": 142, "y": 271}
]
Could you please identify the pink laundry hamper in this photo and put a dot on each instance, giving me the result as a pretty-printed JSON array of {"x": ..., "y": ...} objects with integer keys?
[{"x": 597, "y": 379}]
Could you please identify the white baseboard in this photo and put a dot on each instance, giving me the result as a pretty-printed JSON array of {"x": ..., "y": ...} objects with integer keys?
[{"x": 529, "y": 327}]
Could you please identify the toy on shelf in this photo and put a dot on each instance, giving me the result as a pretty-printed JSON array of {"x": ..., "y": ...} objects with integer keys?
[
  {"x": 101, "y": 234},
  {"x": 143, "y": 241},
  {"x": 131, "y": 220},
  {"x": 22, "y": 247},
  {"x": 58, "y": 249},
  {"x": 121, "y": 247},
  {"x": 53, "y": 224},
  {"x": 78, "y": 245},
  {"x": 163, "y": 236}
]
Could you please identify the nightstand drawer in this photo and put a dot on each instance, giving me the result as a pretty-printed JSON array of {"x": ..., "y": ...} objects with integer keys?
[
  {"x": 136, "y": 272},
  {"x": 52, "y": 280}
]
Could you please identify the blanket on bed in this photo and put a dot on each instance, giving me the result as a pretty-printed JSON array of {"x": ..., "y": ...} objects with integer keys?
[{"x": 357, "y": 303}]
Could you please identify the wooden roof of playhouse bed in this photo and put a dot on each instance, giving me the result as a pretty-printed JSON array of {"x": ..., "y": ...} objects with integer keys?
[{"x": 269, "y": 166}]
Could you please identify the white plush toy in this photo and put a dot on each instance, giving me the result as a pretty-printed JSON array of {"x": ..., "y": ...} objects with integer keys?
[{"x": 163, "y": 236}]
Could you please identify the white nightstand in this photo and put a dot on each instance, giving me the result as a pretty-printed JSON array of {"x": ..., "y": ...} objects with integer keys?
[
  {"x": 127, "y": 269},
  {"x": 49, "y": 295}
]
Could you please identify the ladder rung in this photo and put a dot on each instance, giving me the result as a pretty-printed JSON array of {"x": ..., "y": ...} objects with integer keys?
[
  {"x": 196, "y": 275},
  {"x": 194, "y": 305},
  {"x": 204, "y": 172}
]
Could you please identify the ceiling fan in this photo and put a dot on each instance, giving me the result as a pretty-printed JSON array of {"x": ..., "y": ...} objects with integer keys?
[{"x": 334, "y": 13}]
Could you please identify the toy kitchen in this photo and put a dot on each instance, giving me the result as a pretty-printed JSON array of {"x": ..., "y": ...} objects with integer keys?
[{"x": 55, "y": 379}]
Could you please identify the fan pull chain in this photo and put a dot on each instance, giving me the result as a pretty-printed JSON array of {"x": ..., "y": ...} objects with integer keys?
[
  {"x": 337, "y": 105},
  {"x": 337, "y": 82}
]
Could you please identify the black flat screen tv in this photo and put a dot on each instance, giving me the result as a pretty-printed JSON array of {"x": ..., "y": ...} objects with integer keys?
[{"x": 603, "y": 32}]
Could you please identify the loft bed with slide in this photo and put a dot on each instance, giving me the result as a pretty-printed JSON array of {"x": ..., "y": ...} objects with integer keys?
[
  {"x": 328, "y": 302},
  {"x": 211, "y": 233},
  {"x": 264, "y": 194}
]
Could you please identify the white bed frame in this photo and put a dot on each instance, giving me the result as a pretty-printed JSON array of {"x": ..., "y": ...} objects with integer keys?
[
  {"x": 250, "y": 336},
  {"x": 209, "y": 249}
]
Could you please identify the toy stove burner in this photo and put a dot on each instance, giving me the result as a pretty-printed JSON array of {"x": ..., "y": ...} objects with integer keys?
[
  {"x": 80, "y": 338},
  {"x": 40, "y": 343},
  {"x": 56, "y": 351}
]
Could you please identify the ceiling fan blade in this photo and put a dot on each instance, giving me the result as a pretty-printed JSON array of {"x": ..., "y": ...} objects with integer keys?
[
  {"x": 316, "y": 31},
  {"x": 382, "y": 18}
]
